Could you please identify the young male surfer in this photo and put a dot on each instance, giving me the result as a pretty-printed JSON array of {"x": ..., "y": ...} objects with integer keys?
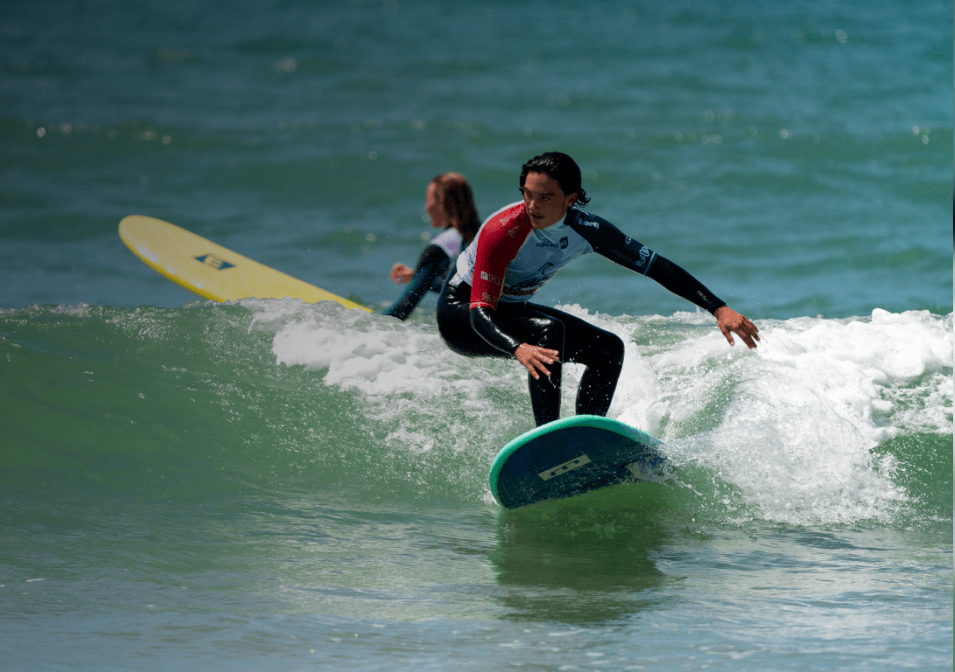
[{"x": 484, "y": 308}]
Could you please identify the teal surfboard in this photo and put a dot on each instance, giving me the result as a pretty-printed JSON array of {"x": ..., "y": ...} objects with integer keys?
[{"x": 574, "y": 455}]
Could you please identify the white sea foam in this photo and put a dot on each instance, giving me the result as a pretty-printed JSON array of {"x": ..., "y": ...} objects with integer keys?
[
  {"x": 375, "y": 355},
  {"x": 792, "y": 425},
  {"x": 796, "y": 421},
  {"x": 403, "y": 371}
]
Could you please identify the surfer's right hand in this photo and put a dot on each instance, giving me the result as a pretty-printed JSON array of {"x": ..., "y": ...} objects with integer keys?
[
  {"x": 730, "y": 322},
  {"x": 401, "y": 274},
  {"x": 535, "y": 358}
]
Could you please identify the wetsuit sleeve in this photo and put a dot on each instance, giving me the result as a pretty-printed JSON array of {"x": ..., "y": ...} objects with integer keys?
[
  {"x": 431, "y": 267},
  {"x": 681, "y": 283},
  {"x": 484, "y": 322},
  {"x": 609, "y": 241}
]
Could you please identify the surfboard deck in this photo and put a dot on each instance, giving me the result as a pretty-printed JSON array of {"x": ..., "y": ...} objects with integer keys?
[
  {"x": 210, "y": 270},
  {"x": 574, "y": 455}
]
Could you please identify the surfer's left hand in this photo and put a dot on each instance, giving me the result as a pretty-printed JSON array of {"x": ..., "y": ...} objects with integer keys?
[{"x": 731, "y": 322}]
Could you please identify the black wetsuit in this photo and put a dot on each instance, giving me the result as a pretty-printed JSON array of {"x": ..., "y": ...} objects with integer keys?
[{"x": 433, "y": 264}]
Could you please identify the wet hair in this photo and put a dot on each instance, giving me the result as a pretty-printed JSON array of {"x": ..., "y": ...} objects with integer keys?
[
  {"x": 458, "y": 200},
  {"x": 560, "y": 167}
]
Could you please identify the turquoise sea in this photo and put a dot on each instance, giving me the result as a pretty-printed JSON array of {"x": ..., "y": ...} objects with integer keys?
[{"x": 271, "y": 485}]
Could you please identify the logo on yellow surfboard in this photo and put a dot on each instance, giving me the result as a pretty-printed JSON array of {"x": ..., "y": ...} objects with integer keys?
[{"x": 217, "y": 263}]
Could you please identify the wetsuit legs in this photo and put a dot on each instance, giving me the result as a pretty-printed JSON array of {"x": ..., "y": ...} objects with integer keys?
[
  {"x": 546, "y": 332},
  {"x": 577, "y": 341},
  {"x": 601, "y": 352}
]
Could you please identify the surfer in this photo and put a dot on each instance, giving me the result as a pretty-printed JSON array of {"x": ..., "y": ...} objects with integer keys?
[
  {"x": 449, "y": 203},
  {"x": 484, "y": 308}
]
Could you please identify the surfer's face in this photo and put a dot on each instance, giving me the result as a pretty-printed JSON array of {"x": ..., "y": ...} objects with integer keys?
[
  {"x": 545, "y": 202},
  {"x": 434, "y": 206}
]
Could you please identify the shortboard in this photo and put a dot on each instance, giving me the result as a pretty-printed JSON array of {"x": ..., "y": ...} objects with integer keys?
[
  {"x": 574, "y": 455},
  {"x": 210, "y": 270}
]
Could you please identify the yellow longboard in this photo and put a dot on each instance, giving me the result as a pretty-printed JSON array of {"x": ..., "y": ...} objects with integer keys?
[{"x": 210, "y": 270}]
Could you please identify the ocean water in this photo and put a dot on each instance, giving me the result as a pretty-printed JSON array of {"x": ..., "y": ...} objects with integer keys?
[{"x": 274, "y": 485}]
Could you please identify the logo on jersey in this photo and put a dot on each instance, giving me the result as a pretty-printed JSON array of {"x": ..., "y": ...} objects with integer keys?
[
  {"x": 646, "y": 258},
  {"x": 563, "y": 243},
  {"x": 493, "y": 279},
  {"x": 532, "y": 286},
  {"x": 516, "y": 219}
]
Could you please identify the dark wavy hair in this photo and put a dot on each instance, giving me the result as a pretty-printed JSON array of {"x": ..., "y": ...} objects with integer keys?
[
  {"x": 560, "y": 167},
  {"x": 458, "y": 201}
]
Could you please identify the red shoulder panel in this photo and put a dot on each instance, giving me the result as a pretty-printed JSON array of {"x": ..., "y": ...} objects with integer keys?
[{"x": 498, "y": 244}]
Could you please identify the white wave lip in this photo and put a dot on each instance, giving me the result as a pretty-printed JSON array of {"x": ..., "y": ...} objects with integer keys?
[
  {"x": 800, "y": 416},
  {"x": 791, "y": 425}
]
